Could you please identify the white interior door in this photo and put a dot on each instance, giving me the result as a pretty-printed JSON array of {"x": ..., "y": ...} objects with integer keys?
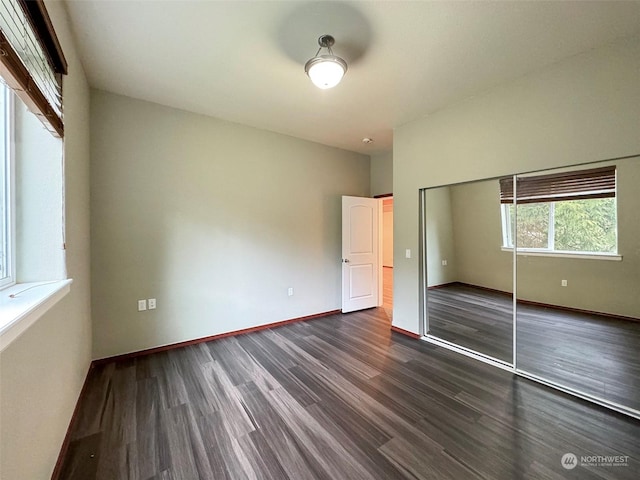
[{"x": 360, "y": 253}]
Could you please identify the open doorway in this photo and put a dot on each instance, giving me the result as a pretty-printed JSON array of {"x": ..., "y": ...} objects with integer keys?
[
  {"x": 367, "y": 253},
  {"x": 386, "y": 236},
  {"x": 361, "y": 253}
]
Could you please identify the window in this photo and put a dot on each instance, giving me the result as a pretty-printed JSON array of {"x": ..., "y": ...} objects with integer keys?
[
  {"x": 7, "y": 225},
  {"x": 571, "y": 212},
  {"x": 31, "y": 68},
  {"x": 32, "y": 261}
]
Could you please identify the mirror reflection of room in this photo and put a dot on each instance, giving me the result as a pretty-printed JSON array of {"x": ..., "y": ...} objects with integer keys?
[
  {"x": 578, "y": 278},
  {"x": 469, "y": 277},
  {"x": 577, "y": 236}
]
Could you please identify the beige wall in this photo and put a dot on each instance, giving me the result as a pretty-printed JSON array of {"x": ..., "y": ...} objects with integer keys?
[
  {"x": 381, "y": 173},
  {"x": 582, "y": 109},
  {"x": 39, "y": 204},
  {"x": 42, "y": 372},
  {"x": 440, "y": 237},
  {"x": 478, "y": 236},
  {"x": 214, "y": 219}
]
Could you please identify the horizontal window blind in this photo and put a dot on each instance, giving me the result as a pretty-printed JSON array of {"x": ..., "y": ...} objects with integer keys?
[
  {"x": 554, "y": 187},
  {"x": 31, "y": 61}
]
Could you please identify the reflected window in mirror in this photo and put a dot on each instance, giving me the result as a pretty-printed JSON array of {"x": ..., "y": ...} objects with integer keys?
[{"x": 566, "y": 213}]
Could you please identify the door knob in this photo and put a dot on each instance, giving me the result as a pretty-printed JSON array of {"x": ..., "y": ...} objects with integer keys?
[{"x": 346, "y": 260}]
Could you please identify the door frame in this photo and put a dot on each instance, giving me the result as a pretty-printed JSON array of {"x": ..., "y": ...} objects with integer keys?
[
  {"x": 381, "y": 197},
  {"x": 370, "y": 258}
]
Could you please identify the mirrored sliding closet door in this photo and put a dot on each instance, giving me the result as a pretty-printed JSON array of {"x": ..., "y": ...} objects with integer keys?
[
  {"x": 567, "y": 242},
  {"x": 578, "y": 279},
  {"x": 469, "y": 276}
]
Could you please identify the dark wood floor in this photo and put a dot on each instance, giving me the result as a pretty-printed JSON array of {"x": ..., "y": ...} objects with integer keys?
[
  {"x": 592, "y": 353},
  {"x": 335, "y": 398}
]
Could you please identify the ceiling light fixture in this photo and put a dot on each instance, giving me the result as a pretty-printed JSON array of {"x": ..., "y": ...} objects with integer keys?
[{"x": 325, "y": 71}]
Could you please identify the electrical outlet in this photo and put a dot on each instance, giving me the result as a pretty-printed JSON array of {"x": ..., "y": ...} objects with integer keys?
[
  {"x": 563, "y": 283},
  {"x": 407, "y": 253},
  {"x": 142, "y": 305},
  {"x": 152, "y": 303},
  {"x": 444, "y": 263},
  {"x": 290, "y": 292}
]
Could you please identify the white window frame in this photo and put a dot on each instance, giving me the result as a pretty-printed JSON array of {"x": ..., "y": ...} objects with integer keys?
[
  {"x": 8, "y": 207},
  {"x": 507, "y": 238},
  {"x": 507, "y": 227}
]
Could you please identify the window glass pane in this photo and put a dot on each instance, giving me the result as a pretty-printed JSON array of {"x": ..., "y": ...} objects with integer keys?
[
  {"x": 4, "y": 189},
  {"x": 533, "y": 225},
  {"x": 586, "y": 225},
  {"x": 4, "y": 253},
  {"x": 511, "y": 208},
  {"x": 508, "y": 228}
]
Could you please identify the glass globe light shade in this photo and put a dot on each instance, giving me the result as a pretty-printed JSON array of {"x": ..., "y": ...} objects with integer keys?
[{"x": 326, "y": 71}]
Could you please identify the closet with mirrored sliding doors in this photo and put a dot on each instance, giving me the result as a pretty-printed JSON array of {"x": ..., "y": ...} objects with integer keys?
[{"x": 539, "y": 273}]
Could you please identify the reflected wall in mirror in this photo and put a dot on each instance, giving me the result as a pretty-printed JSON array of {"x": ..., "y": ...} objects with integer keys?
[
  {"x": 578, "y": 281},
  {"x": 469, "y": 276}
]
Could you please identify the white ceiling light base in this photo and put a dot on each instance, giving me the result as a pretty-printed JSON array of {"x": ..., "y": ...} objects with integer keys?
[{"x": 325, "y": 71}]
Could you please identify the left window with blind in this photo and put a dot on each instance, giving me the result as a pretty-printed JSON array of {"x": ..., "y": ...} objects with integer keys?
[
  {"x": 7, "y": 190},
  {"x": 33, "y": 274},
  {"x": 32, "y": 66}
]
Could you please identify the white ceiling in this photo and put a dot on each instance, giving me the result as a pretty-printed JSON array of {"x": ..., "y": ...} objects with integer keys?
[{"x": 243, "y": 61}]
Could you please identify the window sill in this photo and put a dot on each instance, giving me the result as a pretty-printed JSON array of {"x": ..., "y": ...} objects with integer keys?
[
  {"x": 587, "y": 256},
  {"x": 29, "y": 302}
]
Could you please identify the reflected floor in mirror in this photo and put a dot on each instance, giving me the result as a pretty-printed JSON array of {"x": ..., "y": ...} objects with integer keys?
[
  {"x": 340, "y": 397},
  {"x": 474, "y": 318},
  {"x": 592, "y": 353}
]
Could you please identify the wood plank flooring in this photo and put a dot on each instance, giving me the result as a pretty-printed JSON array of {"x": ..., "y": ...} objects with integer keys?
[
  {"x": 592, "y": 353},
  {"x": 387, "y": 288},
  {"x": 340, "y": 397},
  {"x": 473, "y": 318}
]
